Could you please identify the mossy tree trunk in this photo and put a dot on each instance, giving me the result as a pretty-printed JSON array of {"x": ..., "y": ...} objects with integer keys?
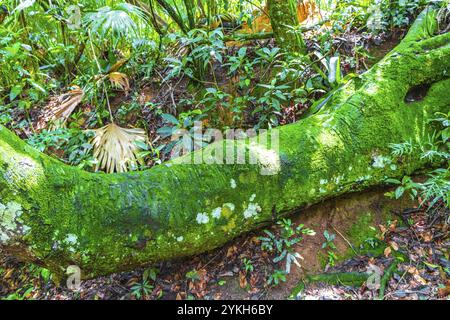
[
  {"x": 57, "y": 215},
  {"x": 285, "y": 24}
]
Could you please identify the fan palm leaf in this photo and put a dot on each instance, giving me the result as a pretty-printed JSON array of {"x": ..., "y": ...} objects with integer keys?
[
  {"x": 115, "y": 147},
  {"x": 119, "y": 20},
  {"x": 60, "y": 108}
]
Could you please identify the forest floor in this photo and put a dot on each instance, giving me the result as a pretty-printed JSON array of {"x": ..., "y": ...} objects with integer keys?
[{"x": 417, "y": 243}]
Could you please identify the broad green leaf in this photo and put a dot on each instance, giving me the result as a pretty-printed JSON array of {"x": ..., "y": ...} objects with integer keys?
[
  {"x": 170, "y": 118},
  {"x": 15, "y": 91}
]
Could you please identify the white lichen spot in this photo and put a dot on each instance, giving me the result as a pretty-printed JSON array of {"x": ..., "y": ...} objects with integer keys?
[
  {"x": 268, "y": 159},
  {"x": 217, "y": 212},
  {"x": 233, "y": 184},
  {"x": 364, "y": 178},
  {"x": 393, "y": 167},
  {"x": 71, "y": 239},
  {"x": 322, "y": 190},
  {"x": 180, "y": 238},
  {"x": 252, "y": 197},
  {"x": 323, "y": 181},
  {"x": 202, "y": 218},
  {"x": 380, "y": 162},
  {"x": 252, "y": 210},
  {"x": 9, "y": 215}
]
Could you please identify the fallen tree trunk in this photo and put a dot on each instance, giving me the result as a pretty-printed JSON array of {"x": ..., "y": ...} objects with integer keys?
[{"x": 57, "y": 215}]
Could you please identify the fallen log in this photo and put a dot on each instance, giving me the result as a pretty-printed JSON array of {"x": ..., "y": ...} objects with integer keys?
[{"x": 56, "y": 215}]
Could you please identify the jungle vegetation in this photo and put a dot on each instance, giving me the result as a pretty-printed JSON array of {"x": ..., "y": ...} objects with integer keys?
[{"x": 93, "y": 95}]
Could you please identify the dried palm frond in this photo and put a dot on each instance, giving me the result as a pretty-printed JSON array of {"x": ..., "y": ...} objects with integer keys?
[
  {"x": 60, "y": 108},
  {"x": 115, "y": 147},
  {"x": 119, "y": 80}
]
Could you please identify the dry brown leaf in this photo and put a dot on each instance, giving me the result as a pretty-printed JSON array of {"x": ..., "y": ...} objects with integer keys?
[
  {"x": 393, "y": 225},
  {"x": 231, "y": 250},
  {"x": 307, "y": 10},
  {"x": 117, "y": 65},
  {"x": 427, "y": 236},
  {"x": 387, "y": 251},
  {"x": 255, "y": 240},
  {"x": 419, "y": 279},
  {"x": 394, "y": 245},
  {"x": 242, "y": 279},
  {"x": 60, "y": 108},
  {"x": 8, "y": 274},
  {"x": 253, "y": 279},
  {"x": 413, "y": 270},
  {"x": 119, "y": 80},
  {"x": 115, "y": 148},
  {"x": 383, "y": 230}
]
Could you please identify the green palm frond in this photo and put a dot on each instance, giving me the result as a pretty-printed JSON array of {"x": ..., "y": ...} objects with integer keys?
[{"x": 120, "y": 20}]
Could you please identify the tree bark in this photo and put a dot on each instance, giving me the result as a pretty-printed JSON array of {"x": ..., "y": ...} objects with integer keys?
[
  {"x": 285, "y": 25},
  {"x": 56, "y": 215}
]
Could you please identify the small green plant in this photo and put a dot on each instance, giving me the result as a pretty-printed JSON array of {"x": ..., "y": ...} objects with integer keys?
[
  {"x": 372, "y": 242},
  {"x": 332, "y": 257},
  {"x": 206, "y": 47},
  {"x": 283, "y": 244},
  {"x": 276, "y": 277},
  {"x": 405, "y": 186},
  {"x": 144, "y": 288},
  {"x": 74, "y": 143},
  {"x": 330, "y": 246},
  {"x": 5, "y": 115},
  {"x": 149, "y": 153},
  {"x": 141, "y": 289},
  {"x": 150, "y": 274},
  {"x": 269, "y": 105},
  {"x": 182, "y": 132},
  {"x": 192, "y": 275},
  {"x": 248, "y": 266},
  {"x": 21, "y": 294},
  {"x": 329, "y": 240},
  {"x": 214, "y": 98},
  {"x": 221, "y": 282}
]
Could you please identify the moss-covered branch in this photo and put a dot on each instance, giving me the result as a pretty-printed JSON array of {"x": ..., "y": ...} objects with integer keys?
[{"x": 57, "y": 215}]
